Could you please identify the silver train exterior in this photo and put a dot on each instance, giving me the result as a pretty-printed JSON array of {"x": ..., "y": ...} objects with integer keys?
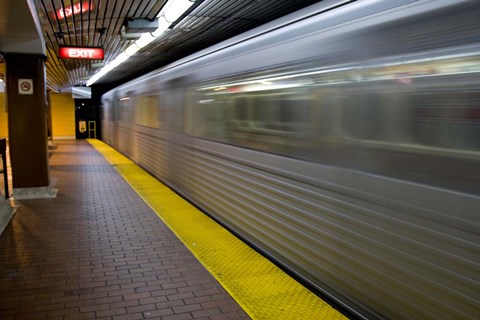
[{"x": 342, "y": 141}]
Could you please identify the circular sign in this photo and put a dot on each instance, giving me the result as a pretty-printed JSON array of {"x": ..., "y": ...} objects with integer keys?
[{"x": 25, "y": 86}]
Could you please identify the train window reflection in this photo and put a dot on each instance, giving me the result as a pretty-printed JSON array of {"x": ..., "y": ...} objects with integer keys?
[
  {"x": 446, "y": 119},
  {"x": 256, "y": 114},
  {"x": 123, "y": 109},
  {"x": 147, "y": 110}
]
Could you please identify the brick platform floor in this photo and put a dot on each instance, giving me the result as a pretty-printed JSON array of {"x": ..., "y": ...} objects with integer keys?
[{"x": 97, "y": 251}]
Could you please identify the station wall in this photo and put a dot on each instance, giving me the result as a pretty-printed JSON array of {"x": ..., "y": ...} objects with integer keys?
[
  {"x": 3, "y": 115},
  {"x": 63, "y": 116}
]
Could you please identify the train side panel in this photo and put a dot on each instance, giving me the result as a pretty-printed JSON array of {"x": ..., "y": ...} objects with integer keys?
[{"x": 352, "y": 163}]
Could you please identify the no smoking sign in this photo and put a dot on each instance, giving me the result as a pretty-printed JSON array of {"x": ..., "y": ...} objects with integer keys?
[{"x": 25, "y": 86}]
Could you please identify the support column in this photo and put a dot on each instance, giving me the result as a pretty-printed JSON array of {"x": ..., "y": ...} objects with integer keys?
[{"x": 27, "y": 120}]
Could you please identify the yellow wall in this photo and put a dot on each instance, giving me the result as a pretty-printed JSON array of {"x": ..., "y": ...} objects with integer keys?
[
  {"x": 63, "y": 115},
  {"x": 3, "y": 117}
]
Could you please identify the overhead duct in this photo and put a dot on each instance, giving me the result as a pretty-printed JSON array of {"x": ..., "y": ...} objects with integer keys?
[
  {"x": 141, "y": 26},
  {"x": 129, "y": 36},
  {"x": 98, "y": 65}
]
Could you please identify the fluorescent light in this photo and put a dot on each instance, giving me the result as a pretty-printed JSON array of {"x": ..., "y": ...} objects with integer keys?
[
  {"x": 174, "y": 9},
  {"x": 145, "y": 39},
  {"x": 121, "y": 58},
  {"x": 109, "y": 67},
  {"x": 132, "y": 49},
  {"x": 94, "y": 78},
  {"x": 163, "y": 25},
  {"x": 170, "y": 13}
]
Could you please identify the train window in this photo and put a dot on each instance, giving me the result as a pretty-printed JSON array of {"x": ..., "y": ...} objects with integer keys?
[
  {"x": 263, "y": 115},
  {"x": 363, "y": 117},
  {"x": 124, "y": 107},
  {"x": 206, "y": 119},
  {"x": 147, "y": 110},
  {"x": 240, "y": 106},
  {"x": 446, "y": 119}
]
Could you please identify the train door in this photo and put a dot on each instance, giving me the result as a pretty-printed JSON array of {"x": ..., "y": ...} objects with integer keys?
[
  {"x": 174, "y": 104},
  {"x": 113, "y": 116},
  {"x": 105, "y": 119},
  {"x": 173, "y": 109}
]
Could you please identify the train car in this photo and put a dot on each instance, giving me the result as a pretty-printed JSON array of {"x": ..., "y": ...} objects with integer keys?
[{"x": 341, "y": 141}]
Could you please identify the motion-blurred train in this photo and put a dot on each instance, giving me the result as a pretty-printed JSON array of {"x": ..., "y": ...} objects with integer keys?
[{"x": 342, "y": 141}]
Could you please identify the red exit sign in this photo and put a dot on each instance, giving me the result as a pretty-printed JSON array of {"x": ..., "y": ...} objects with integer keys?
[
  {"x": 93, "y": 53},
  {"x": 77, "y": 8}
]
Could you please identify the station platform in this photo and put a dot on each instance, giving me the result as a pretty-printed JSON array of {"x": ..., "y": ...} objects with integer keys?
[{"x": 117, "y": 244}]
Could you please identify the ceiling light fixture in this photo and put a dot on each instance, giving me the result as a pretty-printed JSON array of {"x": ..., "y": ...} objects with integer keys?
[
  {"x": 174, "y": 9},
  {"x": 132, "y": 49},
  {"x": 170, "y": 13}
]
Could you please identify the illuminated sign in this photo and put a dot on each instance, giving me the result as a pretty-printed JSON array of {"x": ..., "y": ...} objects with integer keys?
[
  {"x": 77, "y": 8},
  {"x": 93, "y": 53}
]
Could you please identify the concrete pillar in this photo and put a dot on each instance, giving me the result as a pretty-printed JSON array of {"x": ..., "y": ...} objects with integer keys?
[{"x": 27, "y": 120}]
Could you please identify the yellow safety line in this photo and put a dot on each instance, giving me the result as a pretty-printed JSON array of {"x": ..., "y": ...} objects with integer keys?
[{"x": 262, "y": 289}]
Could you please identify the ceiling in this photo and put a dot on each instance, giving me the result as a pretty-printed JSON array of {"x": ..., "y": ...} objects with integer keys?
[{"x": 99, "y": 23}]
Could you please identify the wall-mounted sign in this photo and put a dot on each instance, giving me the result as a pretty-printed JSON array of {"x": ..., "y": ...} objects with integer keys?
[
  {"x": 77, "y": 8},
  {"x": 25, "y": 86},
  {"x": 93, "y": 53},
  {"x": 82, "y": 126}
]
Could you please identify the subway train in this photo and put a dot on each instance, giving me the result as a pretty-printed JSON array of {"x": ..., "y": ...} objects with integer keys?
[{"x": 341, "y": 141}]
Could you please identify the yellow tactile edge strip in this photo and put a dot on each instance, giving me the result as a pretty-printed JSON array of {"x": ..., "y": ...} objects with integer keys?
[{"x": 262, "y": 289}]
